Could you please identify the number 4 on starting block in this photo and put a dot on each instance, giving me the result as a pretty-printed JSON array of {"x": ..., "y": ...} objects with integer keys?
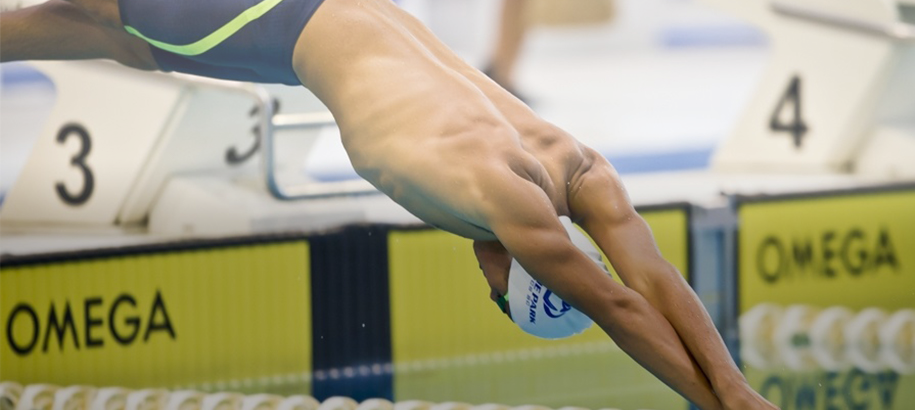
[{"x": 839, "y": 74}]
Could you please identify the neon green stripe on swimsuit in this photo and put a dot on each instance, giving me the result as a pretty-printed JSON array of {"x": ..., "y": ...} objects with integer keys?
[{"x": 215, "y": 38}]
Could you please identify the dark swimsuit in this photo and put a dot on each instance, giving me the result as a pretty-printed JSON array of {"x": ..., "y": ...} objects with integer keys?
[{"x": 242, "y": 40}]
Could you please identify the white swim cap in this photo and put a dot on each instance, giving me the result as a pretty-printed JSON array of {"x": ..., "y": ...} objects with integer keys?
[{"x": 539, "y": 311}]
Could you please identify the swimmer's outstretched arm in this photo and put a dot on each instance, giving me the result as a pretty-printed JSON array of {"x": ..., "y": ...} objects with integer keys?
[
  {"x": 521, "y": 216},
  {"x": 602, "y": 207},
  {"x": 60, "y": 30},
  {"x": 716, "y": 359}
]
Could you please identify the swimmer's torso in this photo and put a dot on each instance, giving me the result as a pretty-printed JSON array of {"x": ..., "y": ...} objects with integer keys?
[{"x": 424, "y": 134}]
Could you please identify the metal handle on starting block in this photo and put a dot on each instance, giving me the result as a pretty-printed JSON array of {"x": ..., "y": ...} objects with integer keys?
[{"x": 269, "y": 123}]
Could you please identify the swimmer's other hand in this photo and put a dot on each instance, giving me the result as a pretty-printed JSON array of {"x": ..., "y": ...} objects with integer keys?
[
  {"x": 495, "y": 262},
  {"x": 744, "y": 398}
]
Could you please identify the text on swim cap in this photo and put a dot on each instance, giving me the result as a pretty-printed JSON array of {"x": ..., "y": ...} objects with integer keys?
[
  {"x": 533, "y": 297},
  {"x": 550, "y": 309}
]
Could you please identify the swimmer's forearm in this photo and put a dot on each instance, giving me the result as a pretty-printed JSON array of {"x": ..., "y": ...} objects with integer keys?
[
  {"x": 60, "y": 30},
  {"x": 531, "y": 233},
  {"x": 643, "y": 333},
  {"x": 676, "y": 300},
  {"x": 49, "y": 31},
  {"x": 673, "y": 297},
  {"x": 637, "y": 327},
  {"x": 12, "y": 39},
  {"x": 638, "y": 262}
]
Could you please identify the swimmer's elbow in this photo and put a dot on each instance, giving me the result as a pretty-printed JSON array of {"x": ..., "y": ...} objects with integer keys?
[
  {"x": 658, "y": 277},
  {"x": 620, "y": 311},
  {"x": 625, "y": 303}
]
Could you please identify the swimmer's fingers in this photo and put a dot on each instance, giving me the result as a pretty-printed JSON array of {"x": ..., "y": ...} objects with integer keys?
[
  {"x": 495, "y": 262},
  {"x": 746, "y": 399}
]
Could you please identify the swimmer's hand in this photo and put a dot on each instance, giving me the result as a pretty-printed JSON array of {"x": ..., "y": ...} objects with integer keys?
[
  {"x": 495, "y": 263},
  {"x": 744, "y": 398}
]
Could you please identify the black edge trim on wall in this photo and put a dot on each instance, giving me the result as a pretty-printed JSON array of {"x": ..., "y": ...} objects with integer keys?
[
  {"x": 663, "y": 207},
  {"x": 690, "y": 261},
  {"x": 8, "y": 260},
  {"x": 177, "y": 245},
  {"x": 738, "y": 360},
  {"x": 11, "y": 260},
  {"x": 874, "y": 189}
]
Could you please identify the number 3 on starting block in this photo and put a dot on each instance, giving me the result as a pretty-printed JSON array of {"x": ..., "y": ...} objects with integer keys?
[
  {"x": 93, "y": 145},
  {"x": 114, "y": 136}
]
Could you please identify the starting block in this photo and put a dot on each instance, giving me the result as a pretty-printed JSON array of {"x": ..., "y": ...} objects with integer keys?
[
  {"x": 130, "y": 150},
  {"x": 838, "y": 95}
]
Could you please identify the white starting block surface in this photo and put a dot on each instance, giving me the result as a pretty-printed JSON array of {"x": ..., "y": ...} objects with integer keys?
[
  {"x": 120, "y": 144},
  {"x": 112, "y": 139}
]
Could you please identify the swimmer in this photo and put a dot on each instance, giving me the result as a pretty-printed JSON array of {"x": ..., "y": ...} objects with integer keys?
[{"x": 439, "y": 138}]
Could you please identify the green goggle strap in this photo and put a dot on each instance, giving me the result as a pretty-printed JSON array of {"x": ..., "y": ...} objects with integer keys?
[{"x": 502, "y": 301}]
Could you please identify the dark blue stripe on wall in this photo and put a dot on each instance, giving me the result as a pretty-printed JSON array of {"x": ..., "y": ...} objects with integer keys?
[
  {"x": 682, "y": 160},
  {"x": 727, "y": 35},
  {"x": 692, "y": 159},
  {"x": 20, "y": 73},
  {"x": 351, "y": 315}
]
